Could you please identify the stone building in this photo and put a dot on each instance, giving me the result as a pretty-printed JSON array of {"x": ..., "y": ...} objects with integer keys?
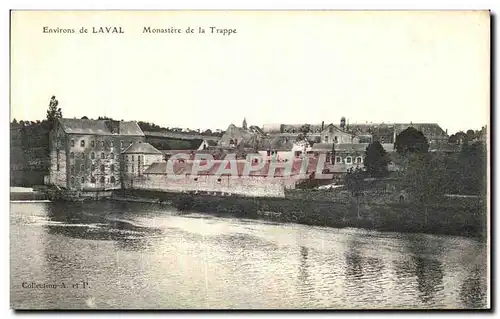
[
  {"x": 85, "y": 154},
  {"x": 347, "y": 155},
  {"x": 338, "y": 135},
  {"x": 346, "y": 133},
  {"x": 235, "y": 136},
  {"x": 138, "y": 157}
]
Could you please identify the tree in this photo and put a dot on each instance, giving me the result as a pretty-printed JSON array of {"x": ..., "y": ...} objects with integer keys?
[
  {"x": 376, "y": 160},
  {"x": 354, "y": 183},
  {"x": 471, "y": 135},
  {"x": 424, "y": 178},
  {"x": 303, "y": 131},
  {"x": 85, "y": 118},
  {"x": 14, "y": 121},
  {"x": 411, "y": 141},
  {"x": 53, "y": 112},
  {"x": 104, "y": 118}
]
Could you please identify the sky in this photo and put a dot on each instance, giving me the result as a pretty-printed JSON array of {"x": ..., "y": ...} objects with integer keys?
[{"x": 279, "y": 67}]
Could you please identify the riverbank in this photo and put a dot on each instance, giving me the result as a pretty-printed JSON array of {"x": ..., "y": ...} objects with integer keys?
[
  {"x": 26, "y": 193},
  {"x": 460, "y": 219}
]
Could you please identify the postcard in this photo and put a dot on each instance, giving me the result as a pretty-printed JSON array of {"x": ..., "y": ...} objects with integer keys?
[{"x": 220, "y": 160}]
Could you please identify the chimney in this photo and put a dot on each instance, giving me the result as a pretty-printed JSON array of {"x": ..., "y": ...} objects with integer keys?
[{"x": 322, "y": 125}]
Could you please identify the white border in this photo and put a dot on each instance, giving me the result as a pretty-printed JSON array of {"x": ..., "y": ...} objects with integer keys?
[{"x": 183, "y": 4}]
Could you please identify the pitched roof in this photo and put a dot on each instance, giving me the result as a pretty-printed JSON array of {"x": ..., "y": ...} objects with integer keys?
[
  {"x": 99, "y": 127},
  {"x": 141, "y": 148},
  {"x": 278, "y": 143},
  {"x": 355, "y": 147}
]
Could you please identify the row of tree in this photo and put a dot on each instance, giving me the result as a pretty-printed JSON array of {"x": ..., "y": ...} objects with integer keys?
[{"x": 425, "y": 175}]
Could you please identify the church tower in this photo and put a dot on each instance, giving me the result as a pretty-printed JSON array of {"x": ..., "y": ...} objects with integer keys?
[{"x": 244, "y": 125}]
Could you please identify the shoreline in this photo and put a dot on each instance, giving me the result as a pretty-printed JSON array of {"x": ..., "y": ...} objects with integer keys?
[
  {"x": 468, "y": 221},
  {"x": 404, "y": 218}
]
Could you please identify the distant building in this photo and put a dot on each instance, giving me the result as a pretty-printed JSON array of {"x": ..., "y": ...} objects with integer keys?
[
  {"x": 235, "y": 136},
  {"x": 361, "y": 133},
  {"x": 85, "y": 154},
  {"x": 334, "y": 134}
]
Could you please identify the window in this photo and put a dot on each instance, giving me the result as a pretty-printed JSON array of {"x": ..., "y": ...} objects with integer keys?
[
  {"x": 348, "y": 160},
  {"x": 72, "y": 143},
  {"x": 92, "y": 143},
  {"x": 338, "y": 159},
  {"x": 132, "y": 158},
  {"x": 219, "y": 180},
  {"x": 111, "y": 143},
  {"x": 130, "y": 143},
  {"x": 132, "y": 167},
  {"x": 102, "y": 179},
  {"x": 112, "y": 155},
  {"x": 268, "y": 153},
  {"x": 72, "y": 169},
  {"x": 102, "y": 143},
  {"x": 57, "y": 166},
  {"x": 71, "y": 155},
  {"x": 72, "y": 180},
  {"x": 102, "y": 156},
  {"x": 92, "y": 168},
  {"x": 112, "y": 168},
  {"x": 82, "y": 168},
  {"x": 102, "y": 168},
  {"x": 83, "y": 180},
  {"x": 92, "y": 179},
  {"x": 195, "y": 179},
  {"x": 58, "y": 144},
  {"x": 359, "y": 160},
  {"x": 82, "y": 143},
  {"x": 112, "y": 179},
  {"x": 92, "y": 155},
  {"x": 326, "y": 139},
  {"x": 336, "y": 139},
  {"x": 298, "y": 153},
  {"x": 121, "y": 144}
]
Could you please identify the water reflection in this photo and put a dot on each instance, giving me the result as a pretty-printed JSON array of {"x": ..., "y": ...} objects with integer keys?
[
  {"x": 147, "y": 256},
  {"x": 303, "y": 276},
  {"x": 426, "y": 256},
  {"x": 473, "y": 290},
  {"x": 78, "y": 220}
]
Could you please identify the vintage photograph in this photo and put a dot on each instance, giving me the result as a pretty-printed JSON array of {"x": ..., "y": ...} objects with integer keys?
[{"x": 218, "y": 160}]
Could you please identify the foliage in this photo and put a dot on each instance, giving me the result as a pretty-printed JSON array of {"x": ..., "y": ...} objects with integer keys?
[
  {"x": 411, "y": 141},
  {"x": 376, "y": 160},
  {"x": 84, "y": 118},
  {"x": 353, "y": 180},
  {"x": 429, "y": 176},
  {"x": 53, "y": 112},
  {"x": 304, "y": 130},
  {"x": 105, "y": 118}
]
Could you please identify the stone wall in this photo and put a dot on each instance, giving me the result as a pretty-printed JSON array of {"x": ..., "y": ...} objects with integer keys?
[{"x": 245, "y": 186}]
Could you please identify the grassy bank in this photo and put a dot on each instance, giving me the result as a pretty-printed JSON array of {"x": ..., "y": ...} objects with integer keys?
[{"x": 446, "y": 218}]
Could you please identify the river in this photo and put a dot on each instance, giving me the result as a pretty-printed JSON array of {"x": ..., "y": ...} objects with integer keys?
[{"x": 139, "y": 256}]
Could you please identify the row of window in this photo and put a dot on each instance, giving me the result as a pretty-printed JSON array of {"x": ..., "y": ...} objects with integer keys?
[
  {"x": 132, "y": 157},
  {"x": 92, "y": 168},
  {"x": 103, "y": 143},
  {"x": 92, "y": 155},
  {"x": 348, "y": 160},
  {"x": 102, "y": 180},
  {"x": 103, "y": 156}
]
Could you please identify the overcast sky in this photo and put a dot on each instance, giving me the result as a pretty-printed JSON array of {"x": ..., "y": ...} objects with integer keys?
[{"x": 280, "y": 67}]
